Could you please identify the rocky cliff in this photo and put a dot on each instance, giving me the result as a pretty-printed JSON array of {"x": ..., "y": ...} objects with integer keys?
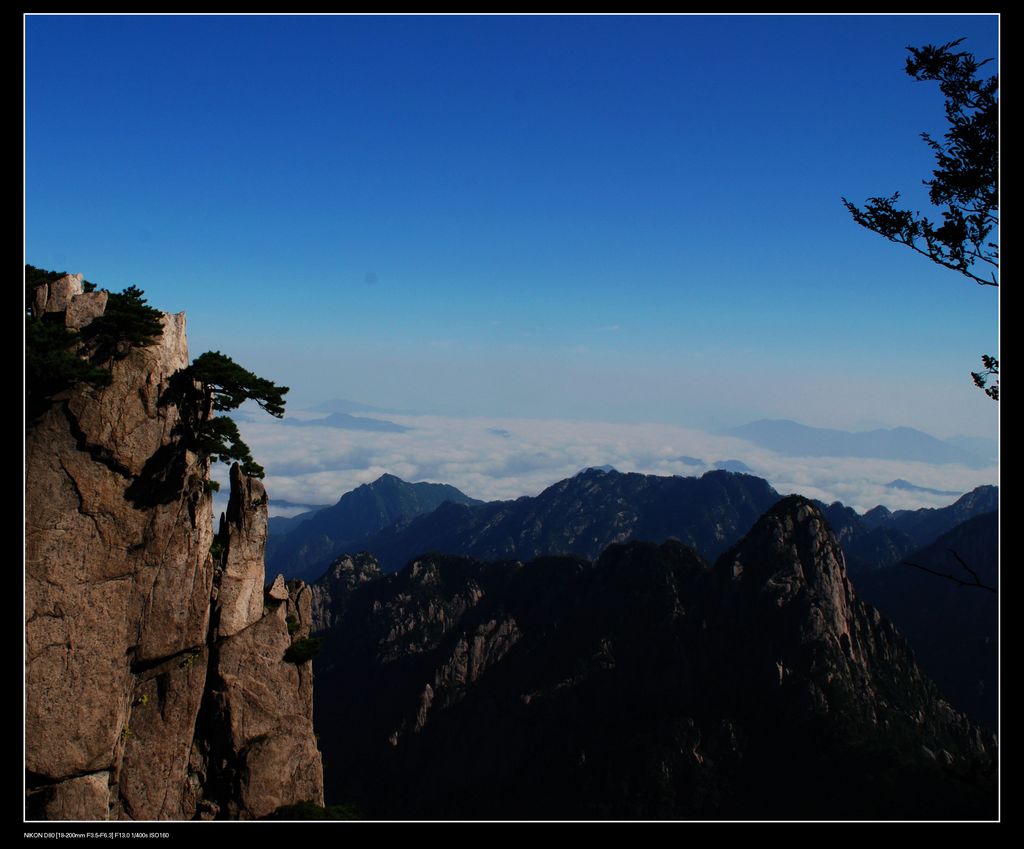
[{"x": 155, "y": 679}]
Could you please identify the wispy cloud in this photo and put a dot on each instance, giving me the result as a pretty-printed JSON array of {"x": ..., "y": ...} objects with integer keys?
[{"x": 318, "y": 465}]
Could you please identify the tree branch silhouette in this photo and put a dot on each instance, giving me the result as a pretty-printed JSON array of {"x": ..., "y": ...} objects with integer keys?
[
  {"x": 964, "y": 187},
  {"x": 977, "y": 582}
]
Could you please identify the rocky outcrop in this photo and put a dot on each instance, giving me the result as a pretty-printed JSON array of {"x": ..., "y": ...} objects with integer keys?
[
  {"x": 57, "y": 296},
  {"x": 788, "y": 615},
  {"x": 258, "y": 726},
  {"x": 84, "y": 308},
  {"x": 244, "y": 531},
  {"x": 278, "y": 591},
  {"x": 83, "y": 798},
  {"x": 329, "y": 596},
  {"x": 299, "y": 614},
  {"x": 110, "y": 581},
  {"x": 120, "y": 585},
  {"x": 647, "y": 684}
]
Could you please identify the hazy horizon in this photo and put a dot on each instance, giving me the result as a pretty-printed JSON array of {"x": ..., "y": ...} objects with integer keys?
[{"x": 502, "y": 458}]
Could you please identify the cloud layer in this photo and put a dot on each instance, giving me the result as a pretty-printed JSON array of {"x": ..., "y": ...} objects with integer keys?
[{"x": 492, "y": 458}]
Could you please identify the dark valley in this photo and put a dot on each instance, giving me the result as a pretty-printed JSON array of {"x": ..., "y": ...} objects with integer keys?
[{"x": 645, "y": 684}]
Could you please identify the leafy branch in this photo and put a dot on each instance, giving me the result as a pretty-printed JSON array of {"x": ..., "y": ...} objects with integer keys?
[{"x": 991, "y": 365}]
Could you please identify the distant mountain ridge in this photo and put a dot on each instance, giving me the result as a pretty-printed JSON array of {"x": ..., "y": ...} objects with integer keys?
[
  {"x": 346, "y": 405},
  {"x": 275, "y": 503},
  {"x": 307, "y": 550},
  {"x": 926, "y": 523},
  {"x": 278, "y": 525},
  {"x": 345, "y": 421},
  {"x": 902, "y": 443},
  {"x": 986, "y": 449},
  {"x": 881, "y": 537},
  {"x": 583, "y": 515},
  {"x": 907, "y": 486}
]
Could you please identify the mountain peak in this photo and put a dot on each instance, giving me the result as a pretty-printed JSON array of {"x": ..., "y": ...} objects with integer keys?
[
  {"x": 789, "y": 554},
  {"x": 605, "y": 469},
  {"x": 907, "y": 486},
  {"x": 308, "y": 549}
]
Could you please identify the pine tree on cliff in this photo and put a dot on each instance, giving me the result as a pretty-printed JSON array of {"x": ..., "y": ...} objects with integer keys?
[
  {"x": 227, "y": 386},
  {"x": 127, "y": 322},
  {"x": 58, "y": 358}
]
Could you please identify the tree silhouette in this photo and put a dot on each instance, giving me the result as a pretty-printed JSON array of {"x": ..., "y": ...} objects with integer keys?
[
  {"x": 230, "y": 385},
  {"x": 974, "y": 582},
  {"x": 127, "y": 322},
  {"x": 227, "y": 386},
  {"x": 964, "y": 184},
  {"x": 52, "y": 365}
]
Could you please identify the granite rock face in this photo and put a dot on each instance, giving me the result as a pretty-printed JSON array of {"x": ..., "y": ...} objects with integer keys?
[
  {"x": 83, "y": 798},
  {"x": 264, "y": 754},
  {"x": 278, "y": 591},
  {"x": 300, "y": 608},
  {"x": 58, "y": 295},
  {"x": 240, "y": 598},
  {"x": 788, "y": 615},
  {"x": 102, "y": 565},
  {"x": 119, "y": 588},
  {"x": 159, "y": 739},
  {"x": 84, "y": 308}
]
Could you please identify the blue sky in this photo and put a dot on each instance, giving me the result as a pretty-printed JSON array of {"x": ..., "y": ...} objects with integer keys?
[{"x": 605, "y": 218}]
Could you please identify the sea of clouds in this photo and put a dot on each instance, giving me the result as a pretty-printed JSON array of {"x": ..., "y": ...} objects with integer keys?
[{"x": 501, "y": 458}]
